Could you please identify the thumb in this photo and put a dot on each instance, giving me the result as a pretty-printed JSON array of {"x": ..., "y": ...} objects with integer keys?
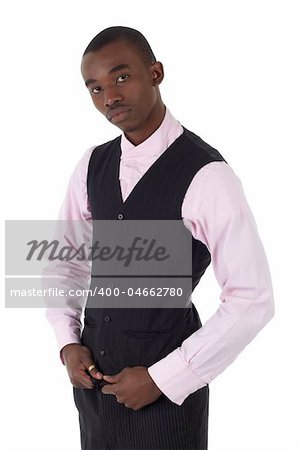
[{"x": 112, "y": 378}]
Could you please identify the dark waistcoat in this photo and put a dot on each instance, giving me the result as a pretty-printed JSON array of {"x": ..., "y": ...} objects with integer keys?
[{"x": 126, "y": 337}]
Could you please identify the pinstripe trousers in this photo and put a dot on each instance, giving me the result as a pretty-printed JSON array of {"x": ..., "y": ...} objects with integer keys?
[{"x": 107, "y": 424}]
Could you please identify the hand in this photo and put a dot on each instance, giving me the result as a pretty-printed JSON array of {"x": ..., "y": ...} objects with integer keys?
[
  {"x": 77, "y": 359},
  {"x": 133, "y": 386}
]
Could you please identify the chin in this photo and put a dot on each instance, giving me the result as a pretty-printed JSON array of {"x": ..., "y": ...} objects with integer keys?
[{"x": 127, "y": 128}]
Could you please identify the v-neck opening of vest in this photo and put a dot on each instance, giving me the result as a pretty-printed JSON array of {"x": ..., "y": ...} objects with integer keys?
[{"x": 146, "y": 174}]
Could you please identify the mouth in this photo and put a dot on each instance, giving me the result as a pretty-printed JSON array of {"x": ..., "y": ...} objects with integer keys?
[{"x": 118, "y": 114}]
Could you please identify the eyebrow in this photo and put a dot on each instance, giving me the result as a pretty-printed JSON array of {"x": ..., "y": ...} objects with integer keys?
[
  {"x": 113, "y": 70},
  {"x": 119, "y": 67}
]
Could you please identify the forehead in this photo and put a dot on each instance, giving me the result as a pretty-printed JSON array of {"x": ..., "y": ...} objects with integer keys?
[{"x": 111, "y": 55}]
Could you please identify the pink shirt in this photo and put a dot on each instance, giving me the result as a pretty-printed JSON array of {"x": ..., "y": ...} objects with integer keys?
[{"x": 216, "y": 212}]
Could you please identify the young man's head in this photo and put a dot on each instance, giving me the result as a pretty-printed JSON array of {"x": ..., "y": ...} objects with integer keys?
[{"x": 122, "y": 75}]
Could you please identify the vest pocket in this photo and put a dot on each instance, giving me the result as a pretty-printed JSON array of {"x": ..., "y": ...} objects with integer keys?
[{"x": 140, "y": 334}]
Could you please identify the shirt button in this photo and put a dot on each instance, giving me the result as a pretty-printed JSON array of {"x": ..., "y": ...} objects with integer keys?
[
  {"x": 102, "y": 352},
  {"x": 120, "y": 216},
  {"x": 107, "y": 318}
]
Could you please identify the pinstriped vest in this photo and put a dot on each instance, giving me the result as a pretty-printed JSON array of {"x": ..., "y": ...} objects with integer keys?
[{"x": 120, "y": 338}]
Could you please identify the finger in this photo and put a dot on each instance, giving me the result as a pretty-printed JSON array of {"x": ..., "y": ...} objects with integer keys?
[
  {"x": 95, "y": 373},
  {"x": 79, "y": 380},
  {"x": 92, "y": 369},
  {"x": 78, "y": 384},
  {"x": 84, "y": 379}
]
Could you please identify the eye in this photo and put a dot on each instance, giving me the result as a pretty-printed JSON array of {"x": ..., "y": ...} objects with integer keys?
[
  {"x": 96, "y": 90},
  {"x": 122, "y": 78}
]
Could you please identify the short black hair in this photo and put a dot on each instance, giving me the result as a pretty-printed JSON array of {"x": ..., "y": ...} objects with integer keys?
[{"x": 125, "y": 34}]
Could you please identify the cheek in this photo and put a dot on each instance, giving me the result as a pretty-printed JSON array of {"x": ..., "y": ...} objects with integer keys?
[
  {"x": 98, "y": 103},
  {"x": 146, "y": 98}
]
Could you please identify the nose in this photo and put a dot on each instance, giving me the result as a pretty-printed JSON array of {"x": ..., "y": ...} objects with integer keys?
[{"x": 112, "y": 95}]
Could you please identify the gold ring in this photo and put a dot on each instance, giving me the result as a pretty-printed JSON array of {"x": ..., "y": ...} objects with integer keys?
[{"x": 92, "y": 366}]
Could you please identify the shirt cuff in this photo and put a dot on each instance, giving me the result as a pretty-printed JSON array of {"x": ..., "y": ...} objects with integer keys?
[{"x": 174, "y": 378}]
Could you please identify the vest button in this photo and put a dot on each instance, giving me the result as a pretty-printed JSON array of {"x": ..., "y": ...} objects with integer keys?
[
  {"x": 102, "y": 352},
  {"x": 120, "y": 216},
  {"x": 107, "y": 318}
]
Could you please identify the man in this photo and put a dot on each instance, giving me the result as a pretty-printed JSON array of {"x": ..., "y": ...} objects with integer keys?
[{"x": 139, "y": 384}]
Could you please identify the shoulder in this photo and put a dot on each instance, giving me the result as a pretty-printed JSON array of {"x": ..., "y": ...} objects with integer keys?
[
  {"x": 91, "y": 152},
  {"x": 216, "y": 185},
  {"x": 81, "y": 167},
  {"x": 106, "y": 146},
  {"x": 219, "y": 175},
  {"x": 204, "y": 150}
]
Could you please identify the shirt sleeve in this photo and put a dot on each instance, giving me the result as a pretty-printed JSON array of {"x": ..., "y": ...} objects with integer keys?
[
  {"x": 75, "y": 212},
  {"x": 217, "y": 213}
]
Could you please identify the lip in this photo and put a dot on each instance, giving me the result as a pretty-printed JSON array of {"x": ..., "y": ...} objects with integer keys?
[{"x": 118, "y": 114}]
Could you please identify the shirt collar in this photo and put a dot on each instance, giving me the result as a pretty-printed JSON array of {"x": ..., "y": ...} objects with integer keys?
[{"x": 155, "y": 144}]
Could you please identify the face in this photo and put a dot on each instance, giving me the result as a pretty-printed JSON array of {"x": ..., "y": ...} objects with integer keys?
[{"x": 125, "y": 89}]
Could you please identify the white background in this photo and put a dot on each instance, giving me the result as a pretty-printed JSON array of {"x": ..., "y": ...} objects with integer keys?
[{"x": 231, "y": 76}]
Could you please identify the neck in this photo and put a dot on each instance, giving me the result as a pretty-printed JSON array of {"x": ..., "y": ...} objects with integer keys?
[{"x": 153, "y": 122}]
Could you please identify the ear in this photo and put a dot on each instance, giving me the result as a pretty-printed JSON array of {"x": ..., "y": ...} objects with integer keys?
[{"x": 157, "y": 73}]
